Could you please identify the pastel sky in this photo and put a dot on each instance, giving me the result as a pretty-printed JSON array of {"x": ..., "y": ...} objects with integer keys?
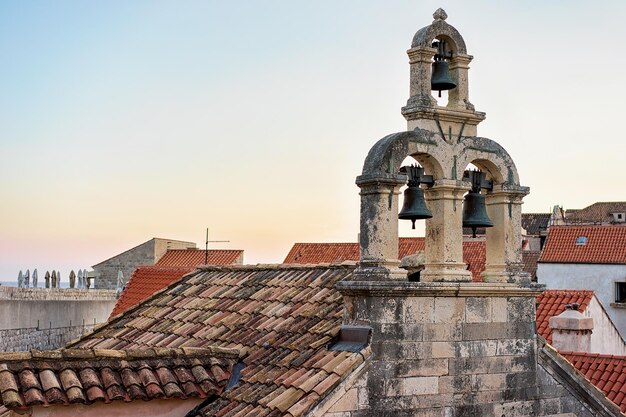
[{"x": 126, "y": 120}]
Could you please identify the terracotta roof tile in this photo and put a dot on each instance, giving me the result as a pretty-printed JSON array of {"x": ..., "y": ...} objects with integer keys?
[
  {"x": 147, "y": 280},
  {"x": 552, "y": 303},
  {"x": 328, "y": 253},
  {"x": 196, "y": 257},
  {"x": 282, "y": 317},
  {"x": 66, "y": 378},
  {"x": 604, "y": 245},
  {"x": 607, "y": 372}
]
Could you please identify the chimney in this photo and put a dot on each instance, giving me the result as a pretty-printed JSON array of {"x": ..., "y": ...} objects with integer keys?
[{"x": 571, "y": 331}]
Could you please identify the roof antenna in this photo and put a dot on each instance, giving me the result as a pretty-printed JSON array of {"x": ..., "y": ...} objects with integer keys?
[{"x": 206, "y": 246}]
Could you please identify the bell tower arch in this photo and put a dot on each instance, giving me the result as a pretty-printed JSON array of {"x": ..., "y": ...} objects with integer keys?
[{"x": 443, "y": 139}]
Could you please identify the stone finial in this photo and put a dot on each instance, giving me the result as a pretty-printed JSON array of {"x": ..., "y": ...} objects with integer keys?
[{"x": 440, "y": 14}]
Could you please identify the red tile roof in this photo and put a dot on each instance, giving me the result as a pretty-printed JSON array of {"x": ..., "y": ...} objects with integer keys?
[
  {"x": 552, "y": 303},
  {"x": 605, "y": 245},
  {"x": 145, "y": 281},
  {"x": 606, "y": 372},
  {"x": 85, "y": 376},
  {"x": 319, "y": 253},
  {"x": 196, "y": 257},
  {"x": 281, "y": 317}
]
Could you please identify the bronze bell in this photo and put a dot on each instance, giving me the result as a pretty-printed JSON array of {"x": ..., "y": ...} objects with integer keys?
[
  {"x": 474, "y": 210},
  {"x": 440, "y": 78},
  {"x": 414, "y": 206}
]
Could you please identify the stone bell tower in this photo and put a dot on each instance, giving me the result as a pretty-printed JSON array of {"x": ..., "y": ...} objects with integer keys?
[
  {"x": 444, "y": 141},
  {"x": 445, "y": 343}
]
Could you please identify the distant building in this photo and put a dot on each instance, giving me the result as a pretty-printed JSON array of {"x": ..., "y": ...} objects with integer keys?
[
  {"x": 147, "y": 280},
  {"x": 147, "y": 253},
  {"x": 588, "y": 258},
  {"x": 612, "y": 212}
]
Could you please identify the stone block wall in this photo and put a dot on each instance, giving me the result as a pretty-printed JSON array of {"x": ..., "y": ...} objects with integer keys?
[
  {"x": 450, "y": 350},
  {"x": 22, "y": 308},
  {"x": 106, "y": 272},
  {"x": 19, "y": 340}
]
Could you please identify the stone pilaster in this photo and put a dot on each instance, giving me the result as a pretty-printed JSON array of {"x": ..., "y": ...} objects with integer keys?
[
  {"x": 378, "y": 238},
  {"x": 458, "y": 98},
  {"x": 444, "y": 233},
  {"x": 504, "y": 239},
  {"x": 421, "y": 60}
]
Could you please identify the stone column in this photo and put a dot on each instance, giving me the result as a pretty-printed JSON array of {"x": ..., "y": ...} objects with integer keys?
[
  {"x": 379, "y": 228},
  {"x": 458, "y": 97},
  {"x": 571, "y": 331},
  {"x": 421, "y": 60},
  {"x": 504, "y": 239},
  {"x": 444, "y": 233}
]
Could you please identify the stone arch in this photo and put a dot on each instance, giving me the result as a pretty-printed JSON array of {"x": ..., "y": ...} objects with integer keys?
[
  {"x": 440, "y": 29},
  {"x": 489, "y": 156},
  {"x": 386, "y": 156}
]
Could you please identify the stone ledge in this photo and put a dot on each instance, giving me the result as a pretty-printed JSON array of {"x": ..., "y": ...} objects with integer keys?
[
  {"x": 57, "y": 294},
  {"x": 436, "y": 289},
  {"x": 618, "y": 305}
]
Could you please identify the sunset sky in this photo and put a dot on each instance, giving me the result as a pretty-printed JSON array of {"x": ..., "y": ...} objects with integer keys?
[{"x": 126, "y": 120}]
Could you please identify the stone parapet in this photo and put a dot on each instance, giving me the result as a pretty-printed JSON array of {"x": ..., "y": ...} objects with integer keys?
[{"x": 13, "y": 293}]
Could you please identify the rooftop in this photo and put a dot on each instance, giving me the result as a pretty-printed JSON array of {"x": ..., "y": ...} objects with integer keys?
[
  {"x": 592, "y": 244},
  {"x": 146, "y": 280},
  {"x": 196, "y": 257},
  {"x": 552, "y": 303},
  {"x": 535, "y": 223},
  {"x": 281, "y": 319},
  {"x": 601, "y": 212},
  {"x": 607, "y": 372},
  {"x": 79, "y": 376}
]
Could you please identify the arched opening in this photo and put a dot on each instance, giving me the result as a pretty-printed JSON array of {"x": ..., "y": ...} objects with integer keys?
[
  {"x": 441, "y": 76},
  {"x": 414, "y": 213}
]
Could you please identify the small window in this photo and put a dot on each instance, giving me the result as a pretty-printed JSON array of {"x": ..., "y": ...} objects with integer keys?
[
  {"x": 620, "y": 292},
  {"x": 581, "y": 240}
]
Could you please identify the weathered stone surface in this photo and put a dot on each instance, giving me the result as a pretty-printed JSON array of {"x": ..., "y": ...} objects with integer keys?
[
  {"x": 446, "y": 347},
  {"x": 478, "y": 310}
]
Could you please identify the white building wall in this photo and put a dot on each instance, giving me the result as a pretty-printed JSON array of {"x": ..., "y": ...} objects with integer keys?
[
  {"x": 605, "y": 337},
  {"x": 597, "y": 277}
]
